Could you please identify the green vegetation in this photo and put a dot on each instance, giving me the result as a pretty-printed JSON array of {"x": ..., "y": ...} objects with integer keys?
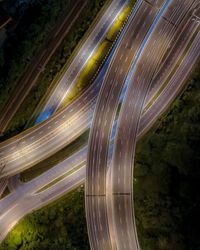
[
  {"x": 167, "y": 200},
  {"x": 48, "y": 163},
  {"x": 59, "y": 226}
]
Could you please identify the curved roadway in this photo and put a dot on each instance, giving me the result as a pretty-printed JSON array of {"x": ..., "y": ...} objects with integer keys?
[
  {"x": 121, "y": 188},
  {"x": 101, "y": 234}
]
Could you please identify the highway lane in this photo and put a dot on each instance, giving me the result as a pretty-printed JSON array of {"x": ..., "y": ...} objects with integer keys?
[
  {"x": 101, "y": 236},
  {"x": 39, "y": 61},
  {"x": 86, "y": 51},
  {"x": 121, "y": 198}
]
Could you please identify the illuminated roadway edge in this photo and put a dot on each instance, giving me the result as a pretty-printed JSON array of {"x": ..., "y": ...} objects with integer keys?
[
  {"x": 23, "y": 207},
  {"x": 121, "y": 220}
]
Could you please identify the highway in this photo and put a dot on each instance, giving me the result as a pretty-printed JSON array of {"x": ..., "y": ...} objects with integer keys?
[
  {"x": 101, "y": 234},
  {"x": 34, "y": 69},
  {"x": 121, "y": 206},
  {"x": 177, "y": 78},
  {"x": 86, "y": 51},
  {"x": 39, "y": 182},
  {"x": 173, "y": 88}
]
